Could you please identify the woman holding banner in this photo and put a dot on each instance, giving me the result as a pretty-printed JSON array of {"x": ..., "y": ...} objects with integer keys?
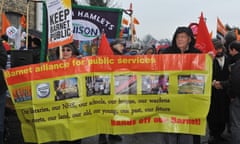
[{"x": 68, "y": 51}]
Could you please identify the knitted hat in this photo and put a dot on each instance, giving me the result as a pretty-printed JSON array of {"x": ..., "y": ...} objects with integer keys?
[{"x": 235, "y": 45}]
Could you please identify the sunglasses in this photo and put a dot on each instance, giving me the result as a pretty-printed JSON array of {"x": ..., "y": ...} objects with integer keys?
[{"x": 67, "y": 50}]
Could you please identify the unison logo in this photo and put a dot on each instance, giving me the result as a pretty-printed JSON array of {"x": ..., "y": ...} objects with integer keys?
[
  {"x": 84, "y": 30},
  {"x": 43, "y": 90}
]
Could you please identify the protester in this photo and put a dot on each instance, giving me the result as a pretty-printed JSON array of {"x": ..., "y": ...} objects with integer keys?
[
  {"x": 149, "y": 50},
  {"x": 68, "y": 51},
  {"x": 52, "y": 54},
  {"x": 118, "y": 47},
  {"x": 5, "y": 43},
  {"x": 218, "y": 113},
  {"x": 229, "y": 38},
  {"x": 183, "y": 42},
  {"x": 23, "y": 45},
  {"x": 36, "y": 49},
  {"x": 3, "y": 89},
  {"x": 234, "y": 92}
]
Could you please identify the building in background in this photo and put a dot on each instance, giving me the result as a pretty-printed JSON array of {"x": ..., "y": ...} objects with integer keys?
[{"x": 14, "y": 9}]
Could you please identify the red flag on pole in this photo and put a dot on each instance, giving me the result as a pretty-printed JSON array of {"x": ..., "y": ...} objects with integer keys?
[
  {"x": 104, "y": 48},
  {"x": 203, "y": 40},
  {"x": 5, "y": 23},
  {"x": 124, "y": 21},
  {"x": 23, "y": 21},
  {"x": 135, "y": 20}
]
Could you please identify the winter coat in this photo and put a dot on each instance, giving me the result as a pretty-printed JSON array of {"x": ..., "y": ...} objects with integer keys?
[{"x": 3, "y": 62}]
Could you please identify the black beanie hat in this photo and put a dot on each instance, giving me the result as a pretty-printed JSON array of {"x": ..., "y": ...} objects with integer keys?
[
  {"x": 235, "y": 45},
  {"x": 37, "y": 41}
]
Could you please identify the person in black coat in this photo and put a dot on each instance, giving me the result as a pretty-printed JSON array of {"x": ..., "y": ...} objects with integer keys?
[
  {"x": 3, "y": 89},
  {"x": 219, "y": 107},
  {"x": 118, "y": 47},
  {"x": 36, "y": 49},
  {"x": 233, "y": 90},
  {"x": 183, "y": 42}
]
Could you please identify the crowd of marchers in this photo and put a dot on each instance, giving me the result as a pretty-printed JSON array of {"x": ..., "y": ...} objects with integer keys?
[{"x": 225, "y": 96}]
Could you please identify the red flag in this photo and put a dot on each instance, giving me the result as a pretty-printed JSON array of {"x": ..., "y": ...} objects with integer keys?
[
  {"x": 203, "y": 40},
  {"x": 104, "y": 48},
  {"x": 5, "y": 23},
  {"x": 135, "y": 20},
  {"x": 23, "y": 21},
  {"x": 121, "y": 32},
  {"x": 124, "y": 21},
  {"x": 221, "y": 30}
]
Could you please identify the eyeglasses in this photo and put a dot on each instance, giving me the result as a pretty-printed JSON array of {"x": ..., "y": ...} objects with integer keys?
[{"x": 67, "y": 50}]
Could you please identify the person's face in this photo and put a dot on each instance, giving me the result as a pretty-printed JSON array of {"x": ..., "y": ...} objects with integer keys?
[
  {"x": 94, "y": 50},
  {"x": 182, "y": 41},
  {"x": 67, "y": 52},
  {"x": 22, "y": 43},
  {"x": 119, "y": 47},
  {"x": 219, "y": 52}
]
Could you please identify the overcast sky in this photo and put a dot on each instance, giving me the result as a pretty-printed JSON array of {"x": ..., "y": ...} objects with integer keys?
[{"x": 160, "y": 18}]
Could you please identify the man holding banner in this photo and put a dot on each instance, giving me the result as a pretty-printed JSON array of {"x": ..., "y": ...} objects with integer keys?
[{"x": 183, "y": 42}]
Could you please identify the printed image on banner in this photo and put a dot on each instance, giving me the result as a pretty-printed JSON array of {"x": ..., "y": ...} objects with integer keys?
[
  {"x": 125, "y": 84},
  {"x": 66, "y": 89},
  {"x": 22, "y": 93},
  {"x": 155, "y": 84},
  {"x": 98, "y": 85},
  {"x": 191, "y": 84}
]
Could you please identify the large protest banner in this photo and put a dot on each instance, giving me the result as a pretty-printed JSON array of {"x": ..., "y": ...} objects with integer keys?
[
  {"x": 59, "y": 14},
  {"x": 89, "y": 22},
  {"x": 77, "y": 98}
]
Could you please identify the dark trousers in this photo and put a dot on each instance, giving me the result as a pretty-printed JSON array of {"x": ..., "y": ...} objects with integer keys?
[{"x": 196, "y": 139}]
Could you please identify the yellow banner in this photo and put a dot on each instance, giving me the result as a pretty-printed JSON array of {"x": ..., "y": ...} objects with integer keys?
[{"x": 77, "y": 98}]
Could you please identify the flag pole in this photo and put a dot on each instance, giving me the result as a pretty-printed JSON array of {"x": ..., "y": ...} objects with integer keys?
[
  {"x": 1, "y": 13},
  {"x": 129, "y": 12},
  {"x": 27, "y": 24},
  {"x": 2, "y": 7},
  {"x": 131, "y": 21}
]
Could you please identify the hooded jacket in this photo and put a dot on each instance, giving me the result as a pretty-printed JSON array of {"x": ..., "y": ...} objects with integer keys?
[{"x": 174, "y": 48}]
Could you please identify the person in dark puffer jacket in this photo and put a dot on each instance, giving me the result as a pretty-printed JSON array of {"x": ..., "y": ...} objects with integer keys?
[{"x": 3, "y": 89}]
